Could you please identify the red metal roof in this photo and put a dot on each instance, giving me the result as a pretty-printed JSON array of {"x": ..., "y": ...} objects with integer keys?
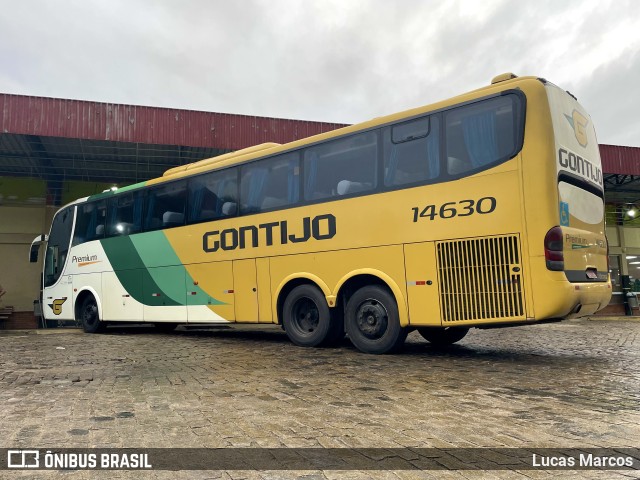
[
  {"x": 620, "y": 160},
  {"x": 56, "y": 117}
]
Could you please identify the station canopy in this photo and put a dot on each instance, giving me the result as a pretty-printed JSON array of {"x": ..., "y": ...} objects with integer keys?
[{"x": 55, "y": 150}]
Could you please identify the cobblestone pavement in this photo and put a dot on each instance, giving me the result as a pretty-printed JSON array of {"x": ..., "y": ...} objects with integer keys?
[{"x": 572, "y": 384}]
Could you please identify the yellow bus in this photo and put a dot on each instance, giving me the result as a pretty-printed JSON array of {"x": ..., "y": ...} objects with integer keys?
[{"x": 484, "y": 210}]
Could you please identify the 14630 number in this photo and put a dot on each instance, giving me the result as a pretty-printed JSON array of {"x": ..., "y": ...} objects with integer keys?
[{"x": 462, "y": 208}]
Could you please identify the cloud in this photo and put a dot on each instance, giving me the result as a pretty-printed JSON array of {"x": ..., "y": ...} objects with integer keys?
[
  {"x": 610, "y": 94},
  {"x": 326, "y": 60}
]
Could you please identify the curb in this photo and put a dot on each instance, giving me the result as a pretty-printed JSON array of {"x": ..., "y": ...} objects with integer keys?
[
  {"x": 614, "y": 319},
  {"x": 39, "y": 331}
]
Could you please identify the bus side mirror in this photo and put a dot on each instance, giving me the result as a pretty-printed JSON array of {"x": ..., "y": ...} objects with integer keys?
[{"x": 35, "y": 247}]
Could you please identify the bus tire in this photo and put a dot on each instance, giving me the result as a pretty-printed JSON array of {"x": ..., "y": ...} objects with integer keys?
[
  {"x": 373, "y": 322},
  {"x": 442, "y": 336},
  {"x": 89, "y": 316},
  {"x": 306, "y": 317}
]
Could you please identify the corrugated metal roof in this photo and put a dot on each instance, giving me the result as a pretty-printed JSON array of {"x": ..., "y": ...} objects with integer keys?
[
  {"x": 620, "y": 160},
  {"x": 56, "y": 117}
]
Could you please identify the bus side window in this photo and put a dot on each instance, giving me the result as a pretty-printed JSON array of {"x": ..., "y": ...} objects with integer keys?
[
  {"x": 411, "y": 151},
  {"x": 165, "y": 206},
  {"x": 209, "y": 193},
  {"x": 341, "y": 167},
  {"x": 125, "y": 214},
  {"x": 270, "y": 183},
  {"x": 481, "y": 134}
]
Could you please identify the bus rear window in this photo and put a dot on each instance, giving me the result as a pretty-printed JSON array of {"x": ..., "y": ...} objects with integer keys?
[{"x": 583, "y": 204}]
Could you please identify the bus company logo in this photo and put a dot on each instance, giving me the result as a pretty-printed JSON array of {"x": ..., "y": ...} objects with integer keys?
[
  {"x": 56, "y": 306},
  {"x": 579, "y": 124},
  {"x": 580, "y": 166},
  {"x": 320, "y": 227}
]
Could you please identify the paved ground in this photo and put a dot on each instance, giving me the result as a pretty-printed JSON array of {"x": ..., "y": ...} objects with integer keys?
[{"x": 573, "y": 384}]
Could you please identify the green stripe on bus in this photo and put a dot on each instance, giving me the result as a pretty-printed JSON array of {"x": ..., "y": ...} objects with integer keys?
[
  {"x": 155, "y": 250},
  {"x": 133, "y": 273},
  {"x": 151, "y": 271}
]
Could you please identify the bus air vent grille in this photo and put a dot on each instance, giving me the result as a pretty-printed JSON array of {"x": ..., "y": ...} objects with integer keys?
[{"x": 481, "y": 279}]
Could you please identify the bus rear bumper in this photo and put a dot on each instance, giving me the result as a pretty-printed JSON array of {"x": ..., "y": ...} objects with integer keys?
[
  {"x": 572, "y": 300},
  {"x": 563, "y": 301}
]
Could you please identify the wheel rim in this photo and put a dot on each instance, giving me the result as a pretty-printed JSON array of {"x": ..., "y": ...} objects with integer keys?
[
  {"x": 305, "y": 316},
  {"x": 372, "y": 319},
  {"x": 90, "y": 314}
]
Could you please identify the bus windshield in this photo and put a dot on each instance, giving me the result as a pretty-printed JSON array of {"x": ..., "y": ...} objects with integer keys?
[{"x": 58, "y": 246}]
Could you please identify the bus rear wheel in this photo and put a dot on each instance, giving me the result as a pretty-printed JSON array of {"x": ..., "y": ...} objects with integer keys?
[
  {"x": 442, "y": 336},
  {"x": 373, "y": 322},
  {"x": 307, "y": 318},
  {"x": 89, "y": 316}
]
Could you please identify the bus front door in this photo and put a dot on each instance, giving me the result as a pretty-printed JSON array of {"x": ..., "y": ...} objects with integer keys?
[
  {"x": 58, "y": 304},
  {"x": 58, "y": 284}
]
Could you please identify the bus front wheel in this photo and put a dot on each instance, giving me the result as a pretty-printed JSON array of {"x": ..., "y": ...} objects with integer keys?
[
  {"x": 307, "y": 318},
  {"x": 373, "y": 322},
  {"x": 442, "y": 336},
  {"x": 89, "y": 316}
]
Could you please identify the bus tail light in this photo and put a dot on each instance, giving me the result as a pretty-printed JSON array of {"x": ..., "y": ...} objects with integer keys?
[{"x": 553, "y": 249}]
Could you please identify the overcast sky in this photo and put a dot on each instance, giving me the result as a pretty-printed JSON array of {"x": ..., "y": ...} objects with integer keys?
[{"x": 332, "y": 60}]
